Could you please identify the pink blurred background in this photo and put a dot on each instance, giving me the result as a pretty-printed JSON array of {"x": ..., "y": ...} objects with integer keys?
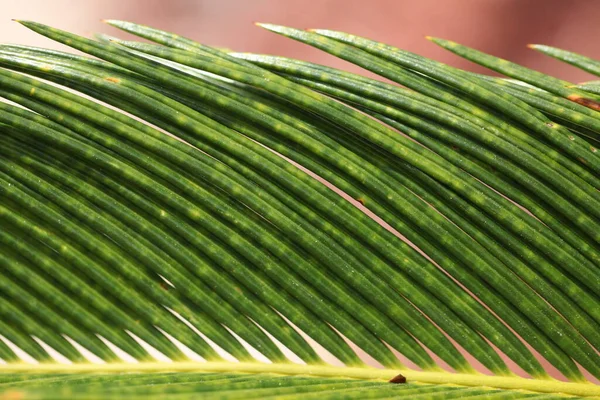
[{"x": 500, "y": 27}]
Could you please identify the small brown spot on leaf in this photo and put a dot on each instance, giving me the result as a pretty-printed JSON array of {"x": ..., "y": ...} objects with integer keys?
[
  {"x": 549, "y": 124},
  {"x": 112, "y": 79},
  {"x": 361, "y": 200},
  {"x": 164, "y": 286},
  {"x": 398, "y": 379},
  {"x": 589, "y": 103}
]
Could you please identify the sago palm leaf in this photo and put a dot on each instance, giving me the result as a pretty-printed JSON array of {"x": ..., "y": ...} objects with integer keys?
[{"x": 178, "y": 220}]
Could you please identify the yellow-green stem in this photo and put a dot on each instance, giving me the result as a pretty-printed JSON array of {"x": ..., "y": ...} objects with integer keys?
[{"x": 513, "y": 383}]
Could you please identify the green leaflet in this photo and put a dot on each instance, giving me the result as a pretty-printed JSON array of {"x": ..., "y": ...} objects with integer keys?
[
  {"x": 180, "y": 57},
  {"x": 551, "y": 105},
  {"x": 543, "y": 81},
  {"x": 139, "y": 181},
  {"x": 246, "y": 195},
  {"x": 560, "y": 282},
  {"x": 589, "y": 87},
  {"x": 419, "y": 300},
  {"x": 390, "y": 310},
  {"x": 404, "y": 100},
  {"x": 219, "y": 236},
  {"x": 585, "y": 63},
  {"x": 404, "y": 62},
  {"x": 122, "y": 82}
]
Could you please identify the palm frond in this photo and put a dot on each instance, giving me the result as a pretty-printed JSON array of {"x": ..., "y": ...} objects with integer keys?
[{"x": 173, "y": 201}]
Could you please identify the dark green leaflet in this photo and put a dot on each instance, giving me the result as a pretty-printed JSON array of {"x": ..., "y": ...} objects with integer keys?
[
  {"x": 393, "y": 100},
  {"x": 157, "y": 236},
  {"x": 32, "y": 205},
  {"x": 136, "y": 170},
  {"x": 173, "y": 40},
  {"x": 543, "y": 81},
  {"x": 6, "y": 354},
  {"x": 414, "y": 81},
  {"x": 107, "y": 227},
  {"x": 257, "y": 291},
  {"x": 589, "y": 87},
  {"x": 58, "y": 57},
  {"x": 17, "y": 295},
  {"x": 238, "y": 270},
  {"x": 281, "y": 275},
  {"x": 551, "y": 104},
  {"x": 541, "y": 192},
  {"x": 585, "y": 63},
  {"x": 371, "y": 54},
  {"x": 64, "y": 305},
  {"x": 217, "y": 68},
  {"x": 201, "y": 147}
]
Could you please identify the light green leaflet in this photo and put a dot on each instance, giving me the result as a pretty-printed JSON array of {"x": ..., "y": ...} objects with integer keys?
[
  {"x": 239, "y": 256},
  {"x": 585, "y": 63}
]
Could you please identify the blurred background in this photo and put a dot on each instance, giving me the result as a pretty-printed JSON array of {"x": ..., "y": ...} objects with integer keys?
[{"x": 500, "y": 27}]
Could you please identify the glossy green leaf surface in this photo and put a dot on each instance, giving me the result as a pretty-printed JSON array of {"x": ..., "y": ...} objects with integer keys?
[{"x": 232, "y": 224}]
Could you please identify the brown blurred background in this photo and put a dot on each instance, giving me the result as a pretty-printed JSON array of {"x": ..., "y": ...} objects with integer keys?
[{"x": 499, "y": 27}]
